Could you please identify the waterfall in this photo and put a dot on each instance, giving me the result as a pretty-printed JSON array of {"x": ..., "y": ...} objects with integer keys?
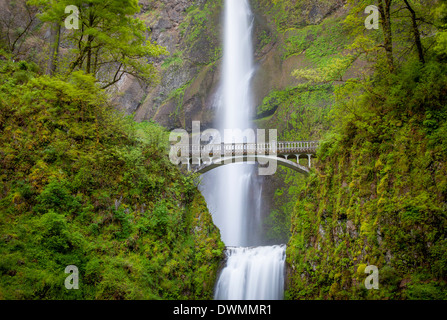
[
  {"x": 252, "y": 274},
  {"x": 233, "y": 192},
  {"x": 233, "y": 182}
]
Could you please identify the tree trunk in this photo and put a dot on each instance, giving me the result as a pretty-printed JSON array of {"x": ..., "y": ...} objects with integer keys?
[
  {"x": 90, "y": 39},
  {"x": 89, "y": 54},
  {"x": 416, "y": 33},
  {"x": 54, "y": 48},
  {"x": 385, "y": 12}
]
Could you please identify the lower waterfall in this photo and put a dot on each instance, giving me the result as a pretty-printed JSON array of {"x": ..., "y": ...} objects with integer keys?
[{"x": 252, "y": 274}]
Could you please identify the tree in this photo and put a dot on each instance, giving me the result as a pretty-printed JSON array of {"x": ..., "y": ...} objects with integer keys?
[
  {"x": 416, "y": 33},
  {"x": 385, "y": 13},
  {"x": 401, "y": 32},
  {"x": 17, "y": 20},
  {"x": 110, "y": 42},
  {"x": 52, "y": 12},
  {"x": 54, "y": 48},
  {"x": 440, "y": 13}
]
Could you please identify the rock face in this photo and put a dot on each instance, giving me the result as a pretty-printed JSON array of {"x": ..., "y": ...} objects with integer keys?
[{"x": 189, "y": 76}]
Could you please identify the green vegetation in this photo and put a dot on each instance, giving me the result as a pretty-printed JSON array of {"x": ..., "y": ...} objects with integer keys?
[
  {"x": 317, "y": 41},
  {"x": 108, "y": 43},
  {"x": 201, "y": 32},
  {"x": 300, "y": 112},
  {"x": 178, "y": 96},
  {"x": 377, "y": 196},
  {"x": 176, "y": 59},
  {"x": 82, "y": 185},
  {"x": 288, "y": 14}
]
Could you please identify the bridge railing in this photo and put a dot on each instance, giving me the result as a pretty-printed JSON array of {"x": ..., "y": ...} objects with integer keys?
[
  {"x": 278, "y": 148},
  {"x": 298, "y": 146}
]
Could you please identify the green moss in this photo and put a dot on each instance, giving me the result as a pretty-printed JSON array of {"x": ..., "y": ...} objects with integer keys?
[
  {"x": 83, "y": 185},
  {"x": 200, "y": 27},
  {"x": 176, "y": 59},
  {"x": 373, "y": 198}
]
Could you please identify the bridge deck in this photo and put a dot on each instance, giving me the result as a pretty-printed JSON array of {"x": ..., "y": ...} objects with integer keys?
[{"x": 246, "y": 149}]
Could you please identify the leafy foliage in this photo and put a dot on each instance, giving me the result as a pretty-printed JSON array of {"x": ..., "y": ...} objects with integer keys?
[
  {"x": 109, "y": 42},
  {"x": 377, "y": 196},
  {"x": 82, "y": 185}
]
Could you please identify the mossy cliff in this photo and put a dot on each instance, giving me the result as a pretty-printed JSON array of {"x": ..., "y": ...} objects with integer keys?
[
  {"x": 191, "y": 31},
  {"x": 295, "y": 35},
  {"x": 81, "y": 185},
  {"x": 377, "y": 195}
]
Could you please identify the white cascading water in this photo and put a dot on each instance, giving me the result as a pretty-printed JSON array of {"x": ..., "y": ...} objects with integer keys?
[
  {"x": 252, "y": 274},
  {"x": 232, "y": 191}
]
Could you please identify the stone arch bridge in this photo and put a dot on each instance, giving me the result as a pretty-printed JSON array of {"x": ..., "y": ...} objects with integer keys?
[{"x": 204, "y": 158}]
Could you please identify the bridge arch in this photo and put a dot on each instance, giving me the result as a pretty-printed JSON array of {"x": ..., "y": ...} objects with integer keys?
[{"x": 206, "y": 167}]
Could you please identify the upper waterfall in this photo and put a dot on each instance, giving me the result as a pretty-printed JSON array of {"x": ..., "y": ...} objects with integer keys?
[
  {"x": 234, "y": 184},
  {"x": 238, "y": 67}
]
